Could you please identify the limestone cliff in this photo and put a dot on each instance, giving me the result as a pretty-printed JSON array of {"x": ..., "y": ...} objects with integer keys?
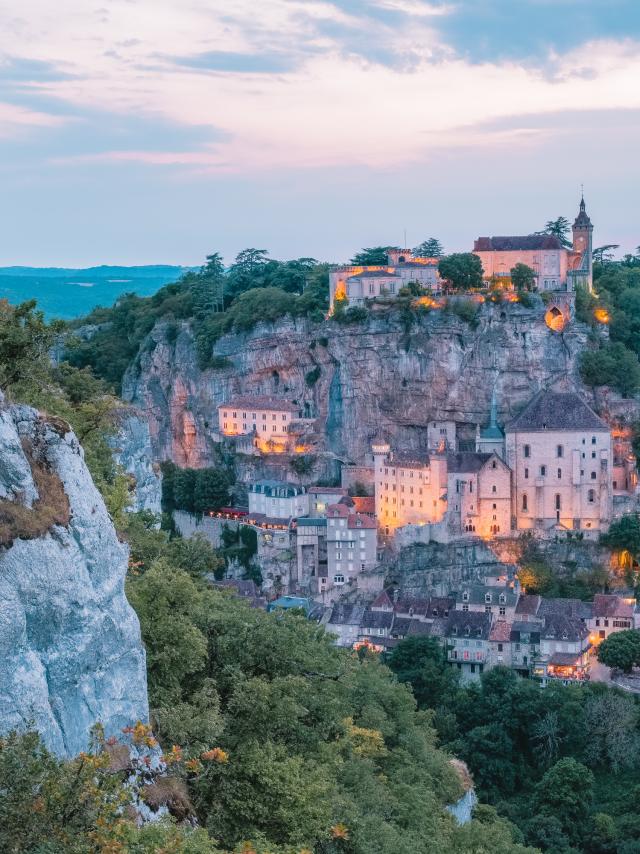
[
  {"x": 358, "y": 380},
  {"x": 132, "y": 450},
  {"x": 70, "y": 647}
]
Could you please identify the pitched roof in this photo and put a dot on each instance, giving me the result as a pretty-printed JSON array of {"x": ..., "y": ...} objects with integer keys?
[
  {"x": 473, "y": 624},
  {"x": 377, "y": 619},
  {"x": 365, "y": 504},
  {"x": 553, "y": 410},
  {"x": 375, "y": 274},
  {"x": 477, "y": 595},
  {"x": 356, "y": 520},
  {"x": 337, "y": 510},
  {"x": 382, "y": 602},
  {"x": 610, "y": 605},
  {"x": 326, "y": 490},
  {"x": 346, "y": 615},
  {"x": 259, "y": 401},
  {"x": 559, "y": 627},
  {"x": 515, "y": 243},
  {"x": 410, "y": 459},
  {"x": 466, "y": 461},
  {"x": 500, "y": 631},
  {"x": 528, "y": 603},
  {"x": 565, "y": 607}
]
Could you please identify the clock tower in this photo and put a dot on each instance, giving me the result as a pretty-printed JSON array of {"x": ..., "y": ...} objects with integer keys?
[{"x": 583, "y": 241}]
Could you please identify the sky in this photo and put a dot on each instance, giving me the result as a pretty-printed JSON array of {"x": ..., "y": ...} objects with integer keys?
[{"x": 159, "y": 131}]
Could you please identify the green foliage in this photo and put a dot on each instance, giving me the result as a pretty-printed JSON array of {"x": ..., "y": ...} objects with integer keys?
[
  {"x": 303, "y": 464},
  {"x": 466, "y": 309},
  {"x": 613, "y": 365},
  {"x": 430, "y": 248},
  {"x": 565, "y": 792},
  {"x": 321, "y": 745},
  {"x": 621, "y": 650},
  {"x": 624, "y": 534},
  {"x": 462, "y": 270},
  {"x": 372, "y": 257},
  {"x": 343, "y": 313},
  {"x": 523, "y": 278},
  {"x": 195, "y": 490},
  {"x": 241, "y": 544},
  {"x": 25, "y": 342},
  {"x": 559, "y": 228},
  {"x": 422, "y": 662}
]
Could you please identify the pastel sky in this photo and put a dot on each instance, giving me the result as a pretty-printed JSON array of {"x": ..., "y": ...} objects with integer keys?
[{"x": 158, "y": 131}]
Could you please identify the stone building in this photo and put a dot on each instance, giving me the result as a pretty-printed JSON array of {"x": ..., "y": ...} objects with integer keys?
[
  {"x": 609, "y": 614},
  {"x": 559, "y": 452},
  {"x": 267, "y": 417},
  {"x": 478, "y": 495},
  {"x": 555, "y": 267},
  {"x": 352, "y": 546},
  {"x": 359, "y": 283}
]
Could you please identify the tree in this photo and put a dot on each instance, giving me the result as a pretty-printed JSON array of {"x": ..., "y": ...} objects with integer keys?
[
  {"x": 208, "y": 287},
  {"x": 610, "y": 721},
  {"x": 603, "y": 254},
  {"x": 430, "y": 248},
  {"x": 421, "y": 661},
  {"x": 558, "y": 228},
  {"x": 621, "y": 650},
  {"x": 247, "y": 270},
  {"x": 211, "y": 491},
  {"x": 462, "y": 270},
  {"x": 523, "y": 278},
  {"x": 25, "y": 342},
  {"x": 372, "y": 257},
  {"x": 566, "y": 792},
  {"x": 614, "y": 365},
  {"x": 624, "y": 534}
]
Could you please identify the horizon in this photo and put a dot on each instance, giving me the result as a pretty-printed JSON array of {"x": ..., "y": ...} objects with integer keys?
[{"x": 135, "y": 133}]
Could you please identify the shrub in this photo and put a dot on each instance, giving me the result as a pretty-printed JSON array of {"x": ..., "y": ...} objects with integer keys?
[{"x": 312, "y": 377}]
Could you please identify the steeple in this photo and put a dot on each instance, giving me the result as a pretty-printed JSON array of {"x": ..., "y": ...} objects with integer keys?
[{"x": 583, "y": 243}]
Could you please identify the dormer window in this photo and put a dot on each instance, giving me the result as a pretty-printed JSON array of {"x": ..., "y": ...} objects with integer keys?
[
  {"x": 454, "y": 630},
  {"x": 565, "y": 636},
  {"x": 502, "y": 598},
  {"x": 479, "y": 633},
  {"x": 487, "y": 597},
  {"x": 467, "y": 631},
  {"x": 465, "y": 596}
]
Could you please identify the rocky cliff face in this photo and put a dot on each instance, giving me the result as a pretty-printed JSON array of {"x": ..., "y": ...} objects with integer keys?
[
  {"x": 70, "y": 647},
  {"x": 374, "y": 378},
  {"x": 132, "y": 450}
]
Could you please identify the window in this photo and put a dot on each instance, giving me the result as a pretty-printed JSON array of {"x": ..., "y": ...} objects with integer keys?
[
  {"x": 526, "y": 473},
  {"x": 593, "y": 440},
  {"x": 543, "y": 471},
  {"x": 464, "y": 608},
  {"x": 502, "y": 598},
  {"x": 465, "y": 596},
  {"x": 525, "y": 502},
  {"x": 470, "y": 486},
  {"x": 558, "y": 503},
  {"x": 487, "y": 597},
  {"x": 487, "y": 609},
  {"x": 559, "y": 474},
  {"x": 493, "y": 488},
  {"x": 591, "y": 496},
  {"x": 559, "y": 451},
  {"x": 502, "y": 611},
  {"x": 593, "y": 475},
  {"x": 527, "y": 450},
  {"x": 593, "y": 455},
  {"x": 338, "y": 579}
]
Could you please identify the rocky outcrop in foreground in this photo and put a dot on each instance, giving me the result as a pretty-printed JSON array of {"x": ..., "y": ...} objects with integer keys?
[{"x": 70, "y": 647}]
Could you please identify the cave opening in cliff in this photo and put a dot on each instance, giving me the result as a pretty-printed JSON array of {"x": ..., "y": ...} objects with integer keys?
[{"x": 555, "y": 319}]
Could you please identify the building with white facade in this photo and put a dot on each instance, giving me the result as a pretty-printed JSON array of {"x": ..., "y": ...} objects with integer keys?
[
  {"x": 277, "y": 499},
  {"x": 267, "y": 417},
  {"x": 352, "y": 545},
  {"x": 560, "y": 455}
]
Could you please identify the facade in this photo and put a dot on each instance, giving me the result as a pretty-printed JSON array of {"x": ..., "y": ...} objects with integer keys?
[
  {"x": 466, "y": 637},
  {"x": 410, "y": 487},
  {"x": 267, "y": 417},
  {"x": 479, "y": 494},
  {"x": 500, "y": 602},
  {"x": 352, "y": 545},
  {"x": 610, "y": 614},
  {"x": 320, "y": 497},
  {"x": 277, "y": 499},
  {"x": 556, "y": 268},
  {"x": 358, "y": 284},
  {"x": 559, "y": 452}
]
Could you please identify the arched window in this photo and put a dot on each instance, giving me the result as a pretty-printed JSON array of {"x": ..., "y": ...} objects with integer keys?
[
  {"x": 560, "y": 451},
  {"x": 558, "y": 503},
  {"x": 527, "y": 450},
  {"x": 525, "y": 501},
  {"x": 591, "y": 496}
]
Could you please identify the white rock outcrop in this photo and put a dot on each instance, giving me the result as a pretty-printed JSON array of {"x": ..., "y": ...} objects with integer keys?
[{"x": 70, "y": 646}]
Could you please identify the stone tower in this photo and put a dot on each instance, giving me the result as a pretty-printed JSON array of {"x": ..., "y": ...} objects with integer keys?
[{"x": 583, "y": 242}]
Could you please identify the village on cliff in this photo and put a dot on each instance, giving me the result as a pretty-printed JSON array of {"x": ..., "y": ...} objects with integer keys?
[{"x": 556, "y": 475}]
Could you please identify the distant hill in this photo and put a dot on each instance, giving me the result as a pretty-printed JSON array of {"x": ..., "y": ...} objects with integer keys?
[{"x": 68, "y": 293}]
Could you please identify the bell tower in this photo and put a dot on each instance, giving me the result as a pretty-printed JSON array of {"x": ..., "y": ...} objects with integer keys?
[{"x": 583, "y": 241}]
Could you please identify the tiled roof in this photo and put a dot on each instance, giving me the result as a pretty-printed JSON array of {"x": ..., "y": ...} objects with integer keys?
[
  {"x": 514, "y": 243},
  {"x": 558, "y": 627},
  {"x": 472, "y": 624},
  {"x": 610, "y": 605},
  {"x": 356, "y": 520},
  {"x": 337, "y": 510},
  {"x": 466, "y": 461},
  {"x": 346, "y": 615},
  {"x": 412, "y": 606},
  {"x": 326, "y": 490},
  {"x": 410, "y": 459},
  {"x": 377, "y": 274},
  {"x": 500, "y": 631},
  {"x": 401, "y": 626},
  {"x": 382, "y": 601},
  {"x": 565, "y": 607},
  {"x": 553, "y": 410},
  {"x": 365, "y": 504},
  {"x": 477, "y": 594},
  {"x": 259, "y": 401},
  {"x": 528, "y": 604},
  {"x": 417, "y": 627},
  {"x": 377, "y": 620},
  {"x": 565, "y": 659}
]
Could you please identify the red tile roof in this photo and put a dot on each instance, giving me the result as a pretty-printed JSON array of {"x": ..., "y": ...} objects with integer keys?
[
  {"x": 382, "y": 600},
  {"x": 500, "y": 631},
  {"x": 337, "y": 510},
  {"x": 365, "y": 504},
  {"x": 356, "y": 520}
]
